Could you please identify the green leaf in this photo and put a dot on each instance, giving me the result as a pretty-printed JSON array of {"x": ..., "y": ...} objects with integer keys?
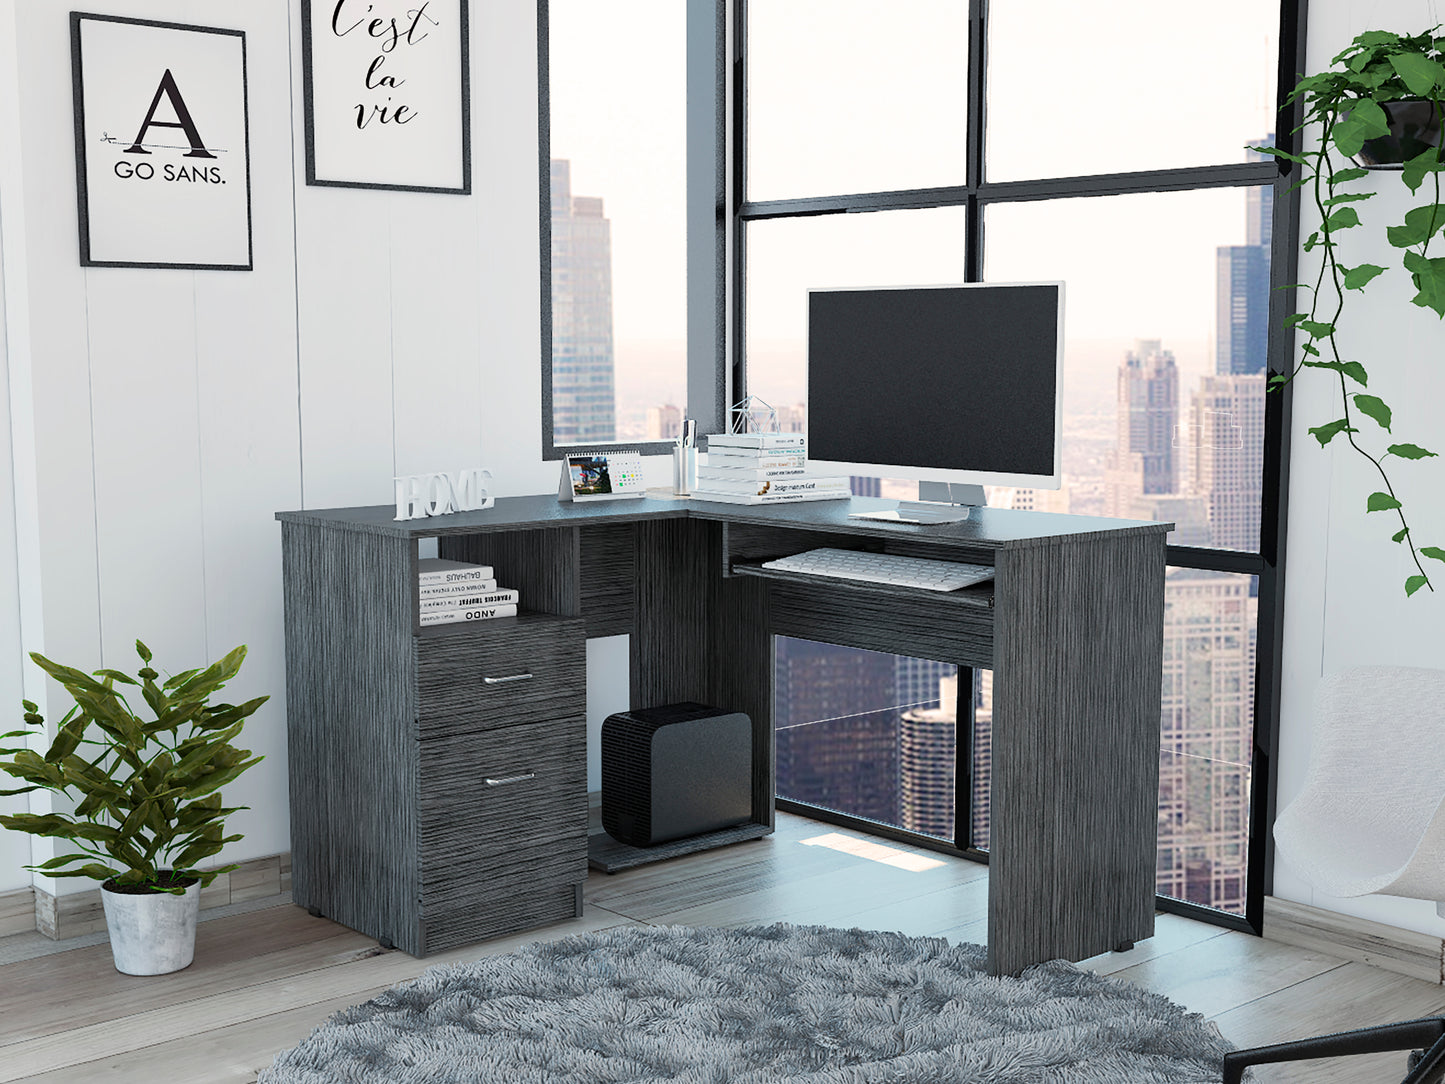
[
  {"x": 1399, "y": 536},
  {"x": 1349, "y": 197},
  {"x": 1295, "y": 319},
  {"x": 1427, "y": 219},
  {"x": 1316, "y": 329},
  {"x": 1418, "y": 73},
  {"x": 1376, "y": 408},
  {"x": 1352, "y": 174},
  {"x": 116, "y": 675},
  {"x": 1434, "y": 552},
  {"x": 1403, "y": 236},
  {"x": 1409, "y": 451},
  {"x": 1352, "y": 369},
  {"x": 1381, "y": 502},
  {"x": 1312, "y": 350},
  {"x": 1326, "y": 433},
  {"x": 1343, "y": 219},
  {"x": 1276, "y": 152},
  {"x": 1428, "y": 275},
  {"x": 1413, "y": 584},
  {"x": 1418, "y": 168},
  {"x": 143, "y": 651},
  {"x": 1356, "y": 277},
  {"x": 1348, "y": 136}
]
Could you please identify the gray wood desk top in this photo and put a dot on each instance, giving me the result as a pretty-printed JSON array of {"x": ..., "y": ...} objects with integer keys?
[{"x": 1002, "y": 528}]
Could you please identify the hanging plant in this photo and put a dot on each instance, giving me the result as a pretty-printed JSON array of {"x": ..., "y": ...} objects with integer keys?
[{"x": 1380, "y": 104}]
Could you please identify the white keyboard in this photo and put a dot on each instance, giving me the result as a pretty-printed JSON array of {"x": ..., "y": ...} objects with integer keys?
[{"x": 884, "y": 568}]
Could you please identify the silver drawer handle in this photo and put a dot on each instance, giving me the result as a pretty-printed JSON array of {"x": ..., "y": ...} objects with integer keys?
[
  {"x": 510, "y": 779},
  {"x": 509, "y": 677}
]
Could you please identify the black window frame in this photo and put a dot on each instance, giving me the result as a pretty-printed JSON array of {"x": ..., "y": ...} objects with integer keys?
[
  {"x": 706, "y": 137},
  {"x": 975, "y": 195}
]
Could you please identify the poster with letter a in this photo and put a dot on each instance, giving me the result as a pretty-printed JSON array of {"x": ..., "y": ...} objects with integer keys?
[
  {"x": 387, "y": 97},
  {"x": 162, "y": 158}
]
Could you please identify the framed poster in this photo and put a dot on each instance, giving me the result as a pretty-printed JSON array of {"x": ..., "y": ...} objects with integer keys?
[
  {"x": 387, "y": 88},
  {"x": 162, "y": 147}
]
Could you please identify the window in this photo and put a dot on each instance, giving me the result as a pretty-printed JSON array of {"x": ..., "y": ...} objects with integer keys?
[
  {"x": 917, "y": 142},
  {"x": 614, "y": 164}
]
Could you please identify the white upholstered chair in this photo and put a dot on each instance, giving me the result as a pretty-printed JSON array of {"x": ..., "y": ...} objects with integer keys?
[{"x": 1371, "y": 817}]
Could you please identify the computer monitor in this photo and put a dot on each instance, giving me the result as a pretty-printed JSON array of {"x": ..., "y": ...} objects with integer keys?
[{"x": 955, "y": 384}]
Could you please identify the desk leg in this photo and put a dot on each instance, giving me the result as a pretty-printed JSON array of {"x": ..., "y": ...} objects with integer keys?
[
  {"x": 1078, "y": 642},
  {"x": 699, "y": 636}
]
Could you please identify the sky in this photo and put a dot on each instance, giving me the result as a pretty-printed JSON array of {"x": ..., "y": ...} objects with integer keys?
[{"x": 853, "y": 95}]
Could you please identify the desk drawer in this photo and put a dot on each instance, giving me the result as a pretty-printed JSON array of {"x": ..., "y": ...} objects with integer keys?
[
  {"x": 482, "y": 676},
  {"x": 497, "y": 802}
]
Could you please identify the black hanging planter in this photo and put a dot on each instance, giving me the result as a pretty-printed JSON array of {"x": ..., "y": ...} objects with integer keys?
[{"x": 1415, "y": 127}]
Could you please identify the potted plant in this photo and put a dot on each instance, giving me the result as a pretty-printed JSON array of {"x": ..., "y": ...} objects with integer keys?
[
  {"x": 146, "y": 794},
  {"x": 1380, "y": 104}
]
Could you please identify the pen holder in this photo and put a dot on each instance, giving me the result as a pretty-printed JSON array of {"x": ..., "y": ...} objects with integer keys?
[{"x": 684, "y": 469}]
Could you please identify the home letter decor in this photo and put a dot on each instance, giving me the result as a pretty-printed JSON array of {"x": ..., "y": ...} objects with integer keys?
[
  {"x": 437, "y": 494},
  {"x": 386, "y": 85}
]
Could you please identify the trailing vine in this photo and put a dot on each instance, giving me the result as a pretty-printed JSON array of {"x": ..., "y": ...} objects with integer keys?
[{"x": 1347, "y": 102}]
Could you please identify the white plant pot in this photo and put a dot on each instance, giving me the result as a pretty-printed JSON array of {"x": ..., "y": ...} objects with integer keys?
[{"x": 153, "y": 933}]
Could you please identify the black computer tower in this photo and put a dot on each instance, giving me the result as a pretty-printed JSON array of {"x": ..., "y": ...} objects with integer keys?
[{"x": 675, "y": 771}]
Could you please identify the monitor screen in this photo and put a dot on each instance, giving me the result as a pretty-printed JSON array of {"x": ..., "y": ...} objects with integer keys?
[{"x": 944, "y": 383}]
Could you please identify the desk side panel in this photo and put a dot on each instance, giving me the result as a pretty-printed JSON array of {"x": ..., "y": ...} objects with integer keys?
[
  {"x": 1075, "y": 774},
  {"x": 350, "y": 713}
]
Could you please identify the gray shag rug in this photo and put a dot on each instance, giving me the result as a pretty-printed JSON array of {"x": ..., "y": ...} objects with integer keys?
[{"x": 761, "y": 1004}]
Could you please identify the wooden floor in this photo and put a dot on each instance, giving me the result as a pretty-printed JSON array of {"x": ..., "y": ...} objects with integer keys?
[{"x": 263, "y": 980}]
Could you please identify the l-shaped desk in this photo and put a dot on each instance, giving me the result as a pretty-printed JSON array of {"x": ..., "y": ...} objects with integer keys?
[{"x": 438, "y": 774}]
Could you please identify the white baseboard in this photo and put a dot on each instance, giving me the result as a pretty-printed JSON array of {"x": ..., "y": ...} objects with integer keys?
[{"x": 1405, "y": 952}]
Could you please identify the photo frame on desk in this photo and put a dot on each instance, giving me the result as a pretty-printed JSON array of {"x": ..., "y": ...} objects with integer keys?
[
  {"x": 387, "y": 86},
  {"x": 601, "y": 476}
]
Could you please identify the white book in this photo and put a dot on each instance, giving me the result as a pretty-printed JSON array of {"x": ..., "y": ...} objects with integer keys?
[
  {"x": 741, "y": 473},
  {"x": 437, "y": 571},
  {"x": 474, "y": 613},
  {"x": 757, "y": 440},
  {"x": 771, "y": 498},
  {"x": 470, "y": 599},
  {"x": 456, "y": 590},
  {"x": 757, "y": 459},
  {"x": 761, "y": 487}
]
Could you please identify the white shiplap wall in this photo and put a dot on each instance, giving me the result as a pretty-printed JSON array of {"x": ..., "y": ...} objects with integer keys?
[
  {"x": 14, "y": 847},
  {"x": 174, "y": 411},
  {"x": 1346, "y": 605}
]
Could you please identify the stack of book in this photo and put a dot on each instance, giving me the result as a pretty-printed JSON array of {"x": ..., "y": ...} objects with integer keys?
[
  {"x": 763, "y": 468},
  {"x": 459, "y": 591}
]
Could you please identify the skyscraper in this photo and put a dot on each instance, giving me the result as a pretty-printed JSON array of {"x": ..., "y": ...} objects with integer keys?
[
  {"x": 836, "y": 723},
  {"x": 583, "y": 401},
  {"x": 663, "y": 422},
  {"x": 1206, "y": 737},
  {"x": 1226, "y": 464},
  {"x": 927, "y": 760},
  {"x": 1241, "y": 311},
  {"x": 1143, "y": 460}
]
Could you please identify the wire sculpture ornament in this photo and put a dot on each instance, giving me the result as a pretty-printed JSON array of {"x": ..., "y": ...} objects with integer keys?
[{"x": 752, "y": 415}]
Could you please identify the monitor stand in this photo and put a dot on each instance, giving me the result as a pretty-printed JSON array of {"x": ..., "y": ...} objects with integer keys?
[{"x": 940, "y": 502}]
